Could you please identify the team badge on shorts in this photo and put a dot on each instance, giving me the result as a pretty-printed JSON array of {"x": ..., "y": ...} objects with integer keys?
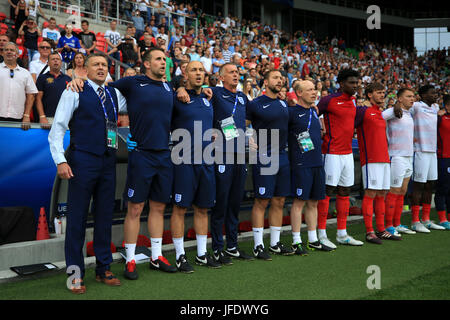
[
  {"x": 283, "y": 104},
  {"x": 262, "y": 190},
  {"x": 299, "y": 192},
  {"x": 177, "y": 197},
  {"x": 166, "y": 86},
  {"x": 241, "y": 100},
  {"x": 130, "y": 193},
  {"x": 206, "y": 102},
  {"x": 221, "y": 168}
]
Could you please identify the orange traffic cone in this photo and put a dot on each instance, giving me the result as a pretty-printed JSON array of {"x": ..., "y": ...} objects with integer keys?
[{"x": 42, "y": 228}]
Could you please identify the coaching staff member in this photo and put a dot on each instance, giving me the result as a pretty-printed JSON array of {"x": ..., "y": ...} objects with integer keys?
[{"x": 91, "y": 116}]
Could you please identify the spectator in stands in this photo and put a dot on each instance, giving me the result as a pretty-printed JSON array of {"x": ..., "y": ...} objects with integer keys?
[
  {"x": 169, "y": 64},
  {"x": 153, "y": 27},
  {"x": 31, "y": 33},
  {"x": 189, "y": 37},
  {"x": 139, "y": 23},
  {"x": 112, "y": 38},
  {"x": 248, "y": 90},
  {"x": 50, "y": 85},
  {"x": 39, "y": 66},
  {"x": 17, "y": 88},
  {"x": 77, "y": 67},
  {"x": 217, "y": 60},
  {"x": 227, "y": 54},
  {"x": 52, "y": 31},
  {"x": 179, "y": 80},
  {"x": 142, "y": 8},
  {"x": 68, "y": 45},
  {"x": 35, "y": 10},
  {"x": 4, "y": 39},
  {"x": 87, "y": 38},
  {"x": 21, "y": 14},
  {"x": 129, "y": 51},
  {"x": 129, "y": 72},
  {"x": 207, "y": 61},
  {"x": 12, "y": 8}
]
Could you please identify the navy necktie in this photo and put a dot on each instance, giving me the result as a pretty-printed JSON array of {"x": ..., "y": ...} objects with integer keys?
[{"x": 101, "y": 94}]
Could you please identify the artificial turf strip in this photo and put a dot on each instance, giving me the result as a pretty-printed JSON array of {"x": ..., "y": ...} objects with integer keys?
[{"x": 418, "y": 261}]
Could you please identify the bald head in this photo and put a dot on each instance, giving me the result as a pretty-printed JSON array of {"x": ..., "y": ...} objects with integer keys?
[
  {"x": 195, "y": 75},
  {"x": 306, "y": 92}
]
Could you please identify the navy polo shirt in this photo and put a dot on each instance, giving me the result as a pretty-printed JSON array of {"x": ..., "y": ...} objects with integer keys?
[
  {"x": 199, "y": 110},
  {"x": 267, "y": 113},
  {"x": 53, "y": 89},
  {"x": 298, "y": 122},
  {"x": 150, "y": 105},
  {"x": 224, "y": 101}
]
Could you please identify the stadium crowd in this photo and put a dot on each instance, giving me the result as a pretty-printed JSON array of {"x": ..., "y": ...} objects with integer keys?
[{"x": 260, "y": 68}]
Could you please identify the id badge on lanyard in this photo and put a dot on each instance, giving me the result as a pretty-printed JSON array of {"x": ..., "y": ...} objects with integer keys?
[
  {"x": 228, "y": 125},
  {"x": 304, "y": 139}
]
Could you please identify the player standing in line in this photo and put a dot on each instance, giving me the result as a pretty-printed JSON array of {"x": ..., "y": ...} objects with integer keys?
[
  {"x": 339, "y": 112},
  {"x": 442, "y": 196},
  {"x": 425, "y": 159},
  {"x": 269, "y": 113},
  {"x": 307, "y": 173},
  {"x": 194, "y": 183},
  {"x": 400, "y": 133},
  {"x": 374, "y": 157}
]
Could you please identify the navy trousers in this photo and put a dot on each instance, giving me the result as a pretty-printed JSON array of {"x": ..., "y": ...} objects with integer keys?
[
  {"x": 94, "y": 176},
  {"x": 442, "y": 196},
  {"x": 230, "y": 184}
]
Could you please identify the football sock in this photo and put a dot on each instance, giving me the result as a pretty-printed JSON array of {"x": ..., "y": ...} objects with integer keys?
[
  {"x": 398, "y": 210},
  {"x": 442, "y": 216},
  {"x": 312, "y": 236},
  {"x": 426, "y": 208},
  {"x": 367, "y": 211},
  {"x": 391, "y": 200},
  {"x": 322, "y": 233},
  {"x": 322, "y": 209},
  {"x": 342, "y": 207},
  {"x": 274, "y": 235},
  {"x": 296, "y": 238},
  {"x": 379, "y": 213},
  {"x": 415, "y": 210},
  {"x": 156, "y": 247},
  {"x": 179, "y": 246},
  {"x": 258, "y": 236},
  {"x": 201, "y": 244},
  {"x": 130, "y": 251}
]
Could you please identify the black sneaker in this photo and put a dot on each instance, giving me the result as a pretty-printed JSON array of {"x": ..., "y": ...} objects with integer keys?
[
  {"x": 207, "y": 261},
  {"x": 279, "y": 248},
  {"x": 299, "y": 249},
  {"x": 373, "y": 238},
  {"x": 239, "y": 254},
  {"x": 221, "y": 258},
  {"x": 384, "y": 235},
  {"x": 130, "y": 270},
  {"x": 317, "y": 245},
  {"x": 261, "y": 253},
  {"x": 162, "y": 264},
  {"x": 183, "y": 265}
]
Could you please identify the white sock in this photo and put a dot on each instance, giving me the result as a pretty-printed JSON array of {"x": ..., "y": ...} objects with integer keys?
[
  {"x": 274, "y": 235},
  {"x": 258, "y": 236},
  {"x": 130, "y": 249},
  {"x": 342, "y": 232},
  {"x": 156, "y": 247},
  {"x": 312, "y": 236},
  {"x": 296, "y": 238},
  {"x": 179, "y": 246},
  {"x": 201, "y": 244},
  {"x": 322, "y": 233}
]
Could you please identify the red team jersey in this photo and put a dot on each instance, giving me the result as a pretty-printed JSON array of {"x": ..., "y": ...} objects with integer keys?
[
  {"x": 339, "y": 110},
  {"x": 372, "y": 139},
  {"x": 444, "y": 136}
]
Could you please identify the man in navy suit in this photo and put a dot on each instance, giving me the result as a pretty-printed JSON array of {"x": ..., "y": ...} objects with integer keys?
[{"x": 91, "y": 116}]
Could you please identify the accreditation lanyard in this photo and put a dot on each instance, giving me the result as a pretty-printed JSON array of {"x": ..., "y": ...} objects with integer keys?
[
  {"x": 228, "y": 125},
  {"x": 304, "y": 139},
  {"x": 111, "y": 126}
]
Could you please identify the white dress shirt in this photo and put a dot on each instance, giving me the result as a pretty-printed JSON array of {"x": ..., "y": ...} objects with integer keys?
[
  {"x": 67, "y": 105},
  {"x": 13, "y": 91}
]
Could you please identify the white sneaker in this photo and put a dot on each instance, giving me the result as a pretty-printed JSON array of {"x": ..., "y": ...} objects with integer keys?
[
  {"x": 327, "y": 242},
  {"x": 419, "y": 227},
  {"x": 404, "y": 229},
  {"x": 348, "y": 240},
  {"x": 431, "y": 225}
]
